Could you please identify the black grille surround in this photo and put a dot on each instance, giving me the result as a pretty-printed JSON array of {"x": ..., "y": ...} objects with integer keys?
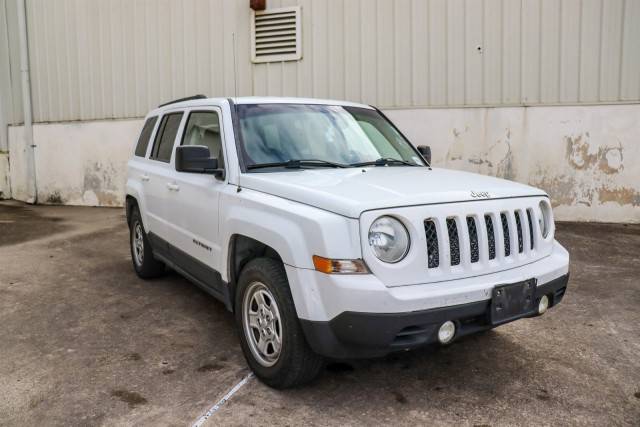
[
  {"x": 473, "y": 239},
  {"x": 433, "y": 253},
  {"x": 454, "y": 241}
]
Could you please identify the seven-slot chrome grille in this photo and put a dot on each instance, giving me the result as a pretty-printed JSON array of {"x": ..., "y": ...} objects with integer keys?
[
  {"x": 458, "y": 240},
  {"x": 514, "y": 225}
]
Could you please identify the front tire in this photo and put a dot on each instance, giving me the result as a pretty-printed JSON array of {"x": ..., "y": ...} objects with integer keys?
[
  {"x": 144, "y": 264},
  {"x": 271, "y": 337}
]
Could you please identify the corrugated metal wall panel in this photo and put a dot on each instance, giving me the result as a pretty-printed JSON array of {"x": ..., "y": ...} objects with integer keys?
[
  {"x": 94, "y": 59},
  {"x": 10, "y": 89},
  {"x": 530, "y": 55},
  {"x": 492, "y": 52},
  {"x": 511, "y": 52},
  {"x": 549, "y": 51},
  {"x": 419, "y": 63},
  {"x": 629, "y": 80},
  {"x": 437, "y": 42},
  {"x": 569, "y": 51},
  {"x": 402, "y": 49},
  {"x": 590, "y": 50},
  {"x": 455, "y": 53},
  {"x": 611, "y": 57},
  {"x": 474, "y": 41},
  {"x": 6, "y": 103}
]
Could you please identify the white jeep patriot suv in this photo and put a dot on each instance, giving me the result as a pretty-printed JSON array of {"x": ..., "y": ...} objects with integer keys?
[{"x": 329, "y": 235}]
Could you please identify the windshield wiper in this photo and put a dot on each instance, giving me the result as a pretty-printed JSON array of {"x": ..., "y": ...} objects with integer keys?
[
  {"x": 298, "y": 164},
  {"x": 384, "y": 162}
]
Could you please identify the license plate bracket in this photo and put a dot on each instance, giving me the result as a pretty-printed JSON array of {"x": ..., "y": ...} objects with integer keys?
[{"x": 512, "y": 301}]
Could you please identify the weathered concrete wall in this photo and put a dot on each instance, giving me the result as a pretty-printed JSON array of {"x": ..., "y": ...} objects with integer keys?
[
  {"x": 5, "y": 188},
  {"x": 77, "y": 163},
  {"x": 586, "y": 158}
]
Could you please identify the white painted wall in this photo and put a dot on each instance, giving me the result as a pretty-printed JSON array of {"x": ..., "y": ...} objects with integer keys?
[
  {"x": 587, "y": 158},
  {"x": 77, "y": 163}
]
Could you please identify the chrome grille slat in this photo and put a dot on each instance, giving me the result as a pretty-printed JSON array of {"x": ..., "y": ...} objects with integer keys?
[
  {"x": 530, "y": 228},
  {"x": 491, "y": 237},
  {"x": 519, "y": 231},
  {"x": 433, "y": 252},
  {"x": 473, "y": 239},
  {"x": 505, "y": 233},
  {"x": 454, "y": 241}
]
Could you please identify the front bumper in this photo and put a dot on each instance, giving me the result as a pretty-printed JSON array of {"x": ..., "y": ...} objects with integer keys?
[
  {"x": 365, "y": 335},
  {"x": 356, "y": 316}
]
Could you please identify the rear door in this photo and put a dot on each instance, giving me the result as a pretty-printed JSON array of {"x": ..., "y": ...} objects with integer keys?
[
  {"x": 138, "y": 164},
  {"x": 192, "y": 214},
  {"x": 159, "y": 173}
]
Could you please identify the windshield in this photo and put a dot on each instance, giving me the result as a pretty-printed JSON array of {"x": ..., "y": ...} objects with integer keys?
[{"x": 347, "y": 136}]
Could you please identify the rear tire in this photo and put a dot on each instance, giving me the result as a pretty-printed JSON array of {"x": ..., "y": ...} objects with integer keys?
[
  {"x": 144, "y": 264},
  {"x": 265, "y": 313}
]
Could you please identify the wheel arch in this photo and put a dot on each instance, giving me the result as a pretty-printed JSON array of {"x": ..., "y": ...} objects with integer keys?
[
  {"x": 130, "y": 203},
  {"x": 243, "y": 249}
]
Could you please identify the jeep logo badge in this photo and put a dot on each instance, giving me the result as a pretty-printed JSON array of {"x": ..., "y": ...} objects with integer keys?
[{"x": 480, "y": 194}]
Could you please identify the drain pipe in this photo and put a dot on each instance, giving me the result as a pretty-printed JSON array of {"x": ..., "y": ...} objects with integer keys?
[{"x": 26, "y": 104}]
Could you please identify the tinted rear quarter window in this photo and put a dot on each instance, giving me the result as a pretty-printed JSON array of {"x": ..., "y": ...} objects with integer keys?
[
  {"x": 143, "y": 141},
  {"x": 165, "y": 137}
]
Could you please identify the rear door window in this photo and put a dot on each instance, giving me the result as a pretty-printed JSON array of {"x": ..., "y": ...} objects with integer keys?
[
  {"x": 165, "y": 137},
  {"x": 145, "y": 135}
]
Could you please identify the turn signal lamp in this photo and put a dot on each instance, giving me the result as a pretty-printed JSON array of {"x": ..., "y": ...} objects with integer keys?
[{"x": 339, "y": 266}]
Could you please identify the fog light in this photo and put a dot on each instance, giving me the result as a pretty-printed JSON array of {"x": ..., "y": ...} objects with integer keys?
[
  {"x": 446, "y": 332},
  {"x": 543, "y": 305}
]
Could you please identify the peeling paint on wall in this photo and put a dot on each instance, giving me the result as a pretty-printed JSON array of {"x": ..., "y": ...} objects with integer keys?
[
  {"x": 611, "y": 160},
  {"x": 100, "y": 186},
  {"x": 562, "y": 188},
  {"x": 586, "y": 158},
  {"x": 624, "y": 196},
  {"x": 608, "y": 159}
]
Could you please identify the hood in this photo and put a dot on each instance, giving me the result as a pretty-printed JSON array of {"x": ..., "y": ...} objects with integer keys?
[{"x": 349, "y": 192}]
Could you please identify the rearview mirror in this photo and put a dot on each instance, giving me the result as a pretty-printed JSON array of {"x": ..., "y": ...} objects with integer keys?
[
  {"x": 197, "y": 159},
  {"x": 425, "y": 150}
]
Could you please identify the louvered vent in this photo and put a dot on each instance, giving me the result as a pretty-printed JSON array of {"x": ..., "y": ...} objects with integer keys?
[{"x": 275, "y": 35}]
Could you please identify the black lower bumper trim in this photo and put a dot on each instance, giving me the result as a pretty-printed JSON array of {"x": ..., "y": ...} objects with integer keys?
[{"x": 364, "y": 335}]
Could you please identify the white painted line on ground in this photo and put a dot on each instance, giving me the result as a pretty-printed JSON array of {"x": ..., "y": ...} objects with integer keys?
[{"x": 222, "y": 401}]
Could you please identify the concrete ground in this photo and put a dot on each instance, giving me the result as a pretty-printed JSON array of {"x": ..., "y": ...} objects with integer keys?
[{"x": 83, "y": 341}]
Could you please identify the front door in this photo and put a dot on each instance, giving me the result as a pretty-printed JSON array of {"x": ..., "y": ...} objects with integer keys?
[{"x": 192, "y": 214}]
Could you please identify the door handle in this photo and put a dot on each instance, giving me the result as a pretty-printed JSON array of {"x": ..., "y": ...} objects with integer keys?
[
  {"x": 144, "y": 177},
  {"x": 173, "y": 187}
]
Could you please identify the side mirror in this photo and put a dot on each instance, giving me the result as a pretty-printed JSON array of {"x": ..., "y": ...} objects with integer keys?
[
  {"x": 197, "y": 159},
  {"x": 425, "y": 150}
]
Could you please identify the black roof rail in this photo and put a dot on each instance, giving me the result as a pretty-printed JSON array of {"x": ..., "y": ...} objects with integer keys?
[{"x": 188, "y": 98}]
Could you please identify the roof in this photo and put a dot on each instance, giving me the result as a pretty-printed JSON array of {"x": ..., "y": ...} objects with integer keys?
[
  {"x": 293, "y": 100},
  {"x": 256, "y": 100}
]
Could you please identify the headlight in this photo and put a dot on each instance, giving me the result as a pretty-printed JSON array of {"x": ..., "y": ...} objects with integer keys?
[
  {"x": 545, "y": 219},
  {"x": 389, "y": 239}
]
